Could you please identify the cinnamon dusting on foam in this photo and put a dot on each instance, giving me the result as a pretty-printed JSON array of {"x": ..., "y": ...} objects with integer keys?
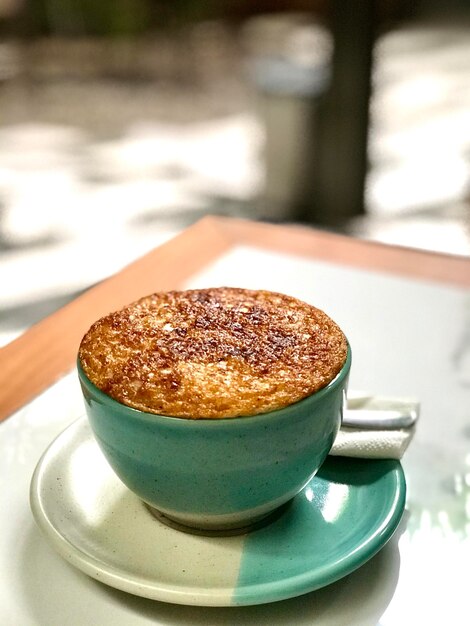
[{"x": 213, "y": 353}]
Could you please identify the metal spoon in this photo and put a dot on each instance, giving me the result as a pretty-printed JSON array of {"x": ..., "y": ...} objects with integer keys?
[{"x": 375, "y": 413}]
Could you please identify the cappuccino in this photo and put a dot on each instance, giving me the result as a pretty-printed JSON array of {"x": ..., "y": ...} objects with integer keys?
[{"x": 213, "y": 353}]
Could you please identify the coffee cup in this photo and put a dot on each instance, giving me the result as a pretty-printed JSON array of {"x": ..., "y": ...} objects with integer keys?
[{"x": 216, "y": 406}]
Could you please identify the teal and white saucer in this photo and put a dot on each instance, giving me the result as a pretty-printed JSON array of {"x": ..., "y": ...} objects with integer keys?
[{"x": 339, "y": 521}]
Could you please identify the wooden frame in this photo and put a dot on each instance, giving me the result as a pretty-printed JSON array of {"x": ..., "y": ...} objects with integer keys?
[{"x": 47, "y": 351}]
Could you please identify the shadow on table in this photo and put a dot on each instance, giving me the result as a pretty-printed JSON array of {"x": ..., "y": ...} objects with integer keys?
[{"x": 55, "y": 593}]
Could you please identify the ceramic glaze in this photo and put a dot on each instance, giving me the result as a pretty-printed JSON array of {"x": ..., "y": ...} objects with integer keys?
[{"x": 217, "y": 474}]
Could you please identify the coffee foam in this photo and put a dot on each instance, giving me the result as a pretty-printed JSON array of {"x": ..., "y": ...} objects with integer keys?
[{"x": 213, "y": 353}]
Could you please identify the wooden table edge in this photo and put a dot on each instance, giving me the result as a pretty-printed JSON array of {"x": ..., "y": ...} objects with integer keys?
[{"x": 353, "y": 252}]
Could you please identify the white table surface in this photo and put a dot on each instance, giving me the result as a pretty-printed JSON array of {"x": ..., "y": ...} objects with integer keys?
[{"x": 409, "y": 339}]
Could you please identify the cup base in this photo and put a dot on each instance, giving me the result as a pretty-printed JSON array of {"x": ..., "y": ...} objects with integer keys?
[{"x": 260, "y": 522}]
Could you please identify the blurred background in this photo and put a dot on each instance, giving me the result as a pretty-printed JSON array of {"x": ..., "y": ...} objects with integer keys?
[{"x": 124, "y": 121}]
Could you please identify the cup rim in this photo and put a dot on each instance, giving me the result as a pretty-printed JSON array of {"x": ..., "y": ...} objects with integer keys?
[{"x": 314, "y": 397}]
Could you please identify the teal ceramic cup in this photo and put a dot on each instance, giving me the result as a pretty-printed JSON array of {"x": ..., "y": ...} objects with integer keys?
[{"x": 217, "y": 474}]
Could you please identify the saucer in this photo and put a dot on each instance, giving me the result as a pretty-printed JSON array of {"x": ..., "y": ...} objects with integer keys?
[{"x": 344, "y": 515}]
